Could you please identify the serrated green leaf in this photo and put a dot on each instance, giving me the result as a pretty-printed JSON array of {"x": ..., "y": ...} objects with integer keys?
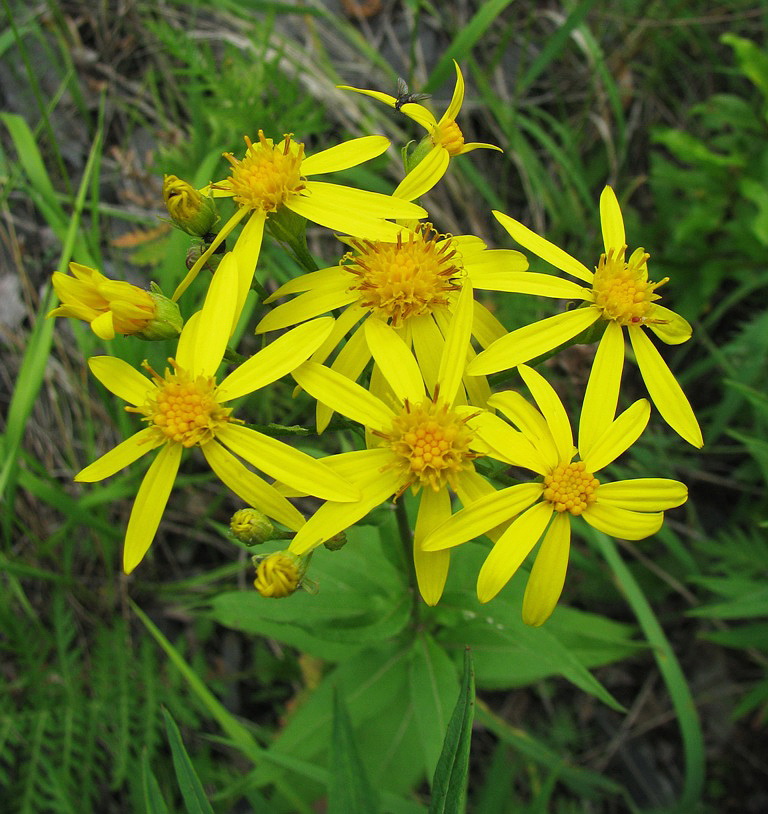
[
  {"x": 450, "y": 782},
  {"x": 190, "y": 786}
]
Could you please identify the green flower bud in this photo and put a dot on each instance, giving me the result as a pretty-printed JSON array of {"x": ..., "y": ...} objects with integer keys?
[
  {"x": 166, "y": 322},
  {"x": 252, "y": 527},
  {"x": 337, "y": 542},
  {"x": 190, "y": 210}
]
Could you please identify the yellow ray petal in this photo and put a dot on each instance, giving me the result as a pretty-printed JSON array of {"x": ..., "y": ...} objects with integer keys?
[
  {"x": 360, "y": 465},
  {"x": 333, "y": 277},
  {"x": 543, "y": 248},
  {"x": 617, "y": 437},
  {"x": 275, "y": 360},
  {"x": 511, "y": 549},
  {"x": 486, "y": 328},
  {"x": 185, "y": 350},
  {"x": 343, "y": 156},
  {"x": 350, "y": 362},
  {"x": 419, "y": 114},
  {"x": 664, "y": 390},
  {"x": 623, "y": 523},
  {"x": 150, "y": 505},
  {"x": 528, "y": 282},
  {"x": 121, "y": 456},
  {"x": 552, "y": 409},
  {"x": 530, "y": 422},
  {"x": 457, "y": 99},
  {"x": 346, "y": 321},
  {"x": 431, "y": 566},
  {"x": 331, "y": 518},
  {"x": 307, "y": 306},
  {"x": 386, "y": 98},
  {"x": 531, "y": 341},
  {"x": 337, "y": 198},
  {"x": 246, "y": 252},
  {"x": 547, "y": 578},
  {"x": 215, "y": 322},
  {"x": 427, "y": 347},
  {"x": 453, "y": 361},
  {"x": 424, "y": 176},
  {"x": 469, "y": 146},
  {"x": 602, "y": 394},
  {"x": 506, "y": 444},
  {"x": 643, "y": 494},
  {"x": 121, "y": 378},
  {"x": 250, "y": 487},
  {"x": 671, "y": 328},
  {"x": 395, "y": 361},
  {"x": 344, "y": 396},
  {"x": 286, "y": 464},
  {"x": 104, "y": 325},
  {"x": 486, "y": 513},
  {"x": 611, "y": 221}
]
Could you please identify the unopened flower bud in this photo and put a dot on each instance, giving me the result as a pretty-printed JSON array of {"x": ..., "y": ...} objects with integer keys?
[
  {"x": 279, "y": 575},
  {"x": 114, "y": 307},
  {"x": 251, "y": 527},
  {"x": 190, "y": 210},
  {"x": 337, "y": 542}
]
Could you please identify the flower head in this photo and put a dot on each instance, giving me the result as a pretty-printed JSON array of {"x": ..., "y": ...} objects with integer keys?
[
  {"x": 631, "y": 509},
  {"x": 445, "y": 139},
  {"x": 416, "y": 440},
  {"x": 114, "y": 307},
  {"x": 251, "y": 527},
  {"x": 272, "y": 178},
  {"x": 413, "y": 284},
  {"x": 186, "y": 407},
  {"x": 619, "y": 295}
]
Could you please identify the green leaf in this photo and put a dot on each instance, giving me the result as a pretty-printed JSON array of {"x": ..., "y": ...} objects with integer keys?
[
  {"x": 153, "y": 799},
  {"x": 450, "y": 781},
  {"x": 349, "y": 789},
  {"x": 190, "y": 786},
  {"x": 433, "y": 685}
]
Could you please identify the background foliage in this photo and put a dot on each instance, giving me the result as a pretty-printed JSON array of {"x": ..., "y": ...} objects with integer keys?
[{"x": 648, "y": 688}]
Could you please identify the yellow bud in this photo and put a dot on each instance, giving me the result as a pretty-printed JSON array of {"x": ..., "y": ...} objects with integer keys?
[
  {"x": 190, "y": 210},
  {"x": 251, "y": 527},
  {"x": 279, "y": 575}
]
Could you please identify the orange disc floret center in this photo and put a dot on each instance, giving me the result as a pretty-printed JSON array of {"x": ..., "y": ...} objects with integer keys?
[
  {"x": 449, "y": 135},
  {"x": 431, "y": 443},
  {"x": 570, "y": 487},
  {"x": 622, "y": 289},
  {"x": 268, "y": 175},
  {"x": 409, "y": 278},
  {"x": 183, "y": 409}
]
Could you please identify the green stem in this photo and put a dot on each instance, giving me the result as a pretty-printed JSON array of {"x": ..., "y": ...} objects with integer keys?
[
  {"x": 671, "y": 672},
  {"x": 406, "y": 538}
]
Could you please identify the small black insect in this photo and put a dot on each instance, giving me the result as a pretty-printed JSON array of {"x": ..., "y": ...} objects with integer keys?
[{"x": 404, "y": 96}]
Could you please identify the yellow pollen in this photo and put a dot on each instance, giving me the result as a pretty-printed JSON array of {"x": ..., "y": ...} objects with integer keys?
[
  {"x": 267, "y": 176},
  {"x": 431, "y": 445},
  {"x": 408, "y": 278},
  {"x": 570, "y": 488},
  {"x": 450, "y": 136},
  {"x": 622, "y": 289},
  {"x": 181, "y": 409}
]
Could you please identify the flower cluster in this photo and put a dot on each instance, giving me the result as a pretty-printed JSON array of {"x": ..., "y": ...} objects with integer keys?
[{"x": 392, "y": 340}]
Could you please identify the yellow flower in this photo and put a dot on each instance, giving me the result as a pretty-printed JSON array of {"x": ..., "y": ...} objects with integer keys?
[
  {"x": 631, "y": 509},
  {"x": 445, "y": 137},
  {"x": 415, "y": 440},
  {"x": 186, "y": 407},
  {"x": 273, "y": 177},
  {"x": 413, "y": 284},
  {"x": 114, "y": 307},
  {"x": 619, "y": 294}
]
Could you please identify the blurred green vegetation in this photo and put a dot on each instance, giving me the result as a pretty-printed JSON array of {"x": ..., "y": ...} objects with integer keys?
[{"x": 597, "y": 711}]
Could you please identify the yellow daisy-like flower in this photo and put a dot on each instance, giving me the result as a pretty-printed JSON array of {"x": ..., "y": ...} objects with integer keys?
[
  {"x": 621, "y": 294},
  {"x": 114, "y": 307},
  {"x": 412, "y": 284},
  {"x": 630, "y": 509},
  {"x": 445, "y": 135},
  {"x": 417, "y": 441},
  {"x": 271, "y": 177},
  {"x": 186, "y": 407}
]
